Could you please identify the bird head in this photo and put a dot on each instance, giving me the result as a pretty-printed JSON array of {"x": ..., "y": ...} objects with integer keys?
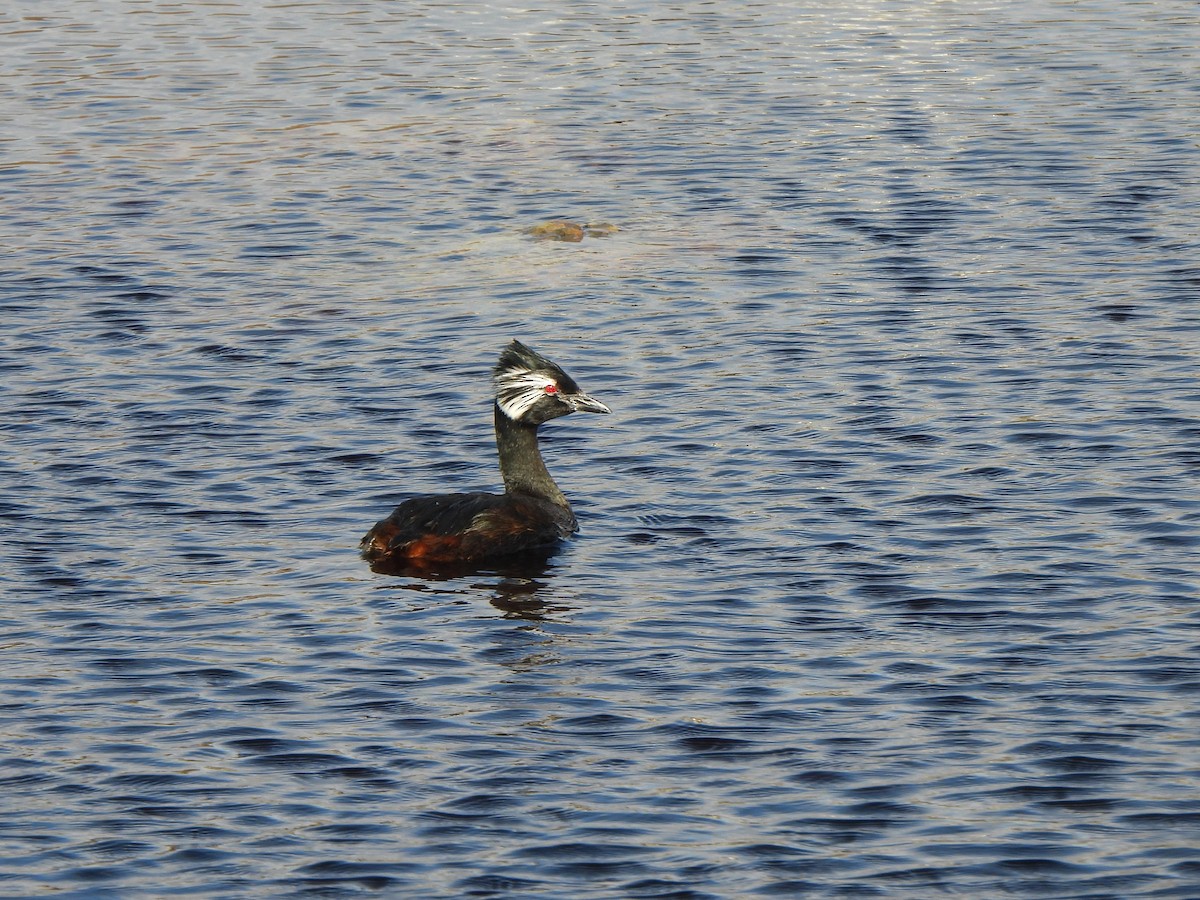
[{"x": 530, "y": 389}]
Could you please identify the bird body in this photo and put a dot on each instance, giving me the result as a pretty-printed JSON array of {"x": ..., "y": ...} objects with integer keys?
[{"x": 532, "y": 515}]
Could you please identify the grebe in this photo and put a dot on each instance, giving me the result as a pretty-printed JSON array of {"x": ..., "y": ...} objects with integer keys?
[{"x": 531, "y": 515}]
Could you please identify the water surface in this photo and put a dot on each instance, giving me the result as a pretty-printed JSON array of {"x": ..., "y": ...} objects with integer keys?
[{"x": 887, "y": 581}]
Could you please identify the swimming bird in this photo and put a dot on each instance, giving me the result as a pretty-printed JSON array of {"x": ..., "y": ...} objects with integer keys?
[{"x": 532, "y": 515}]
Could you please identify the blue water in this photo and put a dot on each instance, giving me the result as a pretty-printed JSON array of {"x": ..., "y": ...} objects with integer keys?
[{"x": 887, "y": 580}]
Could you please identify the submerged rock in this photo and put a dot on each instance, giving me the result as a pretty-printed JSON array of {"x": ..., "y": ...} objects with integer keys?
[
  {"x": 570, "y": 232},
  {"x": 557, "y": 230}
]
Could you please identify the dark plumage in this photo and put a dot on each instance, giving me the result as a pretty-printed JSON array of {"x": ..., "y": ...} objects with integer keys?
[{"x": 531, "y": 515}]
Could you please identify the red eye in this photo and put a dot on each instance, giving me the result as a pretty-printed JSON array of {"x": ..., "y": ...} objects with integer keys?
[{"x": 551, "y": 388}]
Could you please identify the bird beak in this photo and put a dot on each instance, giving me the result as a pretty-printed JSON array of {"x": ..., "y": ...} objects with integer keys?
[{"x": 583, "y": 403}]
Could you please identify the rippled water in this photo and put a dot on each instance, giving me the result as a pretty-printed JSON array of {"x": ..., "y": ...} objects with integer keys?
[{"x": 887, "y": 582}]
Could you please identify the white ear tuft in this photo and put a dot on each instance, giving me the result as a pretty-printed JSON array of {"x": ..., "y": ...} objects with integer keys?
[{"x": 517, "y": 390}]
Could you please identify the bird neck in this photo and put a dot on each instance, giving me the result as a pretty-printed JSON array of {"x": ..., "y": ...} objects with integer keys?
[{"x": 521, "y": 462}]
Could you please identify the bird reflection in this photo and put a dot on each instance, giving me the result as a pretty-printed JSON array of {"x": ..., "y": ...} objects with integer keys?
[
  {"x": 521, "y": 598},
  {"x": 520, "y": 590}
]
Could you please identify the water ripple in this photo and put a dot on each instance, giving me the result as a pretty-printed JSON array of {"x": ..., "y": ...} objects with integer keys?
[{"x": 886, "y": 577}]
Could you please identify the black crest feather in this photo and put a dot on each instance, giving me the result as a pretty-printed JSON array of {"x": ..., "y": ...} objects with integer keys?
[{"x": 516, "y": 356}]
